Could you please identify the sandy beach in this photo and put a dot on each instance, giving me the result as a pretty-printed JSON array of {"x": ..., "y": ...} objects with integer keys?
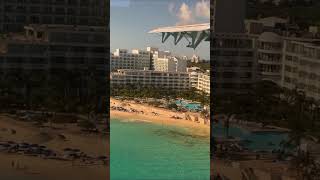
[
  {"x": 162, "y": 116},
  {"x": 263, "y": 169},
  {"x": 37, "y": 167}
]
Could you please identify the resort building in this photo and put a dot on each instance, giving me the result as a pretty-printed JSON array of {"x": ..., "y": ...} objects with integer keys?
[
  {"x": 136, "y": 59},
  {"x": 15, "y": 14},
  {"x": 235, "y": 63},
  {"x": 66, "y": 56},
  {"x": 193, "y": 72},
  {"x": 234, "y": 54},
  {"x": 195, "y": 59},
  {"x": 269, "y": 54},
  {"x": 301, "y": 66},
  {"x": 170, "y": 64},
  {"x": 178, "y": 81},
  {"x": 268, "y": 24},
  {"x": 204, "y": 82},
  {"x": 55, "y": 45}
]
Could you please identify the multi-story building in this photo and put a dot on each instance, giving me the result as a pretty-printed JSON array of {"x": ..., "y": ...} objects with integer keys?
[
  {"x": 193, "y": 72},
  {"x": 177, "y": 81},
  {"x": 269, "y": 54},
  {"x": 204, "y": 82},
  {"x": 170, "y": 64},
  {"x": 136, "y": 59},
  {"x": 59, "y": 45},
  {"x": 195, "y": 59},
  {"x": 233, "y": 52},
  {"x": 234, "y": 63},
  {"x": 301, "y": 66},
  {"x": 47, "y": 53},
  {"x": 153, "y": 55},
  {"x": 15, "y": 14}
]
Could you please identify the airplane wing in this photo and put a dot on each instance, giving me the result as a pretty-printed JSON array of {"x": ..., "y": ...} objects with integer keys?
[{"x": 194, "y": 33}]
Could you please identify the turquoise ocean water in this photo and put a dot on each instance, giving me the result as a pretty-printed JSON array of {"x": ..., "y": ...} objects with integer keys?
[{"x": 147, "y": 151}]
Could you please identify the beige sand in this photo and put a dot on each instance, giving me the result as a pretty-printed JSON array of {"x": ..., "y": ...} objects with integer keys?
[
  {"x": 262, "y": 169},
  {"x": 164, "y": 116},
  {"x": 95, "y": 145}
]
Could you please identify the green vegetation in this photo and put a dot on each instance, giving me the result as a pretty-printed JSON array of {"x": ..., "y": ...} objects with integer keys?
[
  {"x": 173, "y": 106},
  {"x": 62, "y": 93},
  {"x": 144, "y": 92}
]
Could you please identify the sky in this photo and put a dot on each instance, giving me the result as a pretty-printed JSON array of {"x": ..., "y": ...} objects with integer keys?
[{"x": 131, "y": 20}]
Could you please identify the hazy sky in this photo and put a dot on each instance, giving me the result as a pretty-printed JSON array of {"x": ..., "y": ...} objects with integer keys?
[{"x": 131, "y": 20}]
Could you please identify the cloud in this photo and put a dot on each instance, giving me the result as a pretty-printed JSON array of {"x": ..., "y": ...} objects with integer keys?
[
  {"x": 185, "y": 14},
  {"x": 171, "y": 8},
  {"x": 202, "y": 9}
]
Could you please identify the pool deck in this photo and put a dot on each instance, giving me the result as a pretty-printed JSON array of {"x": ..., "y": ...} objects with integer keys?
[{"x": 252, "y": 126}]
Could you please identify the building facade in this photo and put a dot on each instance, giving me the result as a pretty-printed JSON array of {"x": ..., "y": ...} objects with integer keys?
[
  {"x": 170, "y": 64},
  {"x": 58, "y": 46},
  {"x": 55, "y": 53},
  {"x": 301, "y": 66},
  {"x": 178, "y": 81},
  {"x": 204, "y": 82},
  {"x": 269, "y": 54},
  {"x": 15, "y": 14},
  {"x": 234, "y": 63},
  {"x": 136, "y": 59}
]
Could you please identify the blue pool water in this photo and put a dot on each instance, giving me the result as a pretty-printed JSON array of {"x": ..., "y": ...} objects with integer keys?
[
  {"x": 146, "y": 151},
  {"x": 255, "y": 141},
  {"x": 190, "y": 106}
]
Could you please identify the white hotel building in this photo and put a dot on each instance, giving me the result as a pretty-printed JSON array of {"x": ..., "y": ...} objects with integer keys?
[
  {"x": 136, "y": 59},
  {"x": 204, "y": 82},
  {"x": 178, "y": 81},
  {"x": 301, "y": 66},
  {"x": 170, "y": 64}
]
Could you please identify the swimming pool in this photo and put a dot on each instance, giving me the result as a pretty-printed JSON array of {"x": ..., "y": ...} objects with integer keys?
[
  {"x": 266, "y": 141},
  {"x": 189, "y": 105}
]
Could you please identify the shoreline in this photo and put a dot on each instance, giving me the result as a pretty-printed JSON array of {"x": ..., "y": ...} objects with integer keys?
[{"x": 157, "y": 115}]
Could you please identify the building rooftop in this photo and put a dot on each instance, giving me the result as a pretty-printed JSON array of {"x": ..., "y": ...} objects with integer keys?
[{"x": 270, "y": 37}]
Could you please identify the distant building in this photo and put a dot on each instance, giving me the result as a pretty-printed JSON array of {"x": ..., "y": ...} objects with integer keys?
[
  {"x": 195, "y": 59},
  {"x": 235, "y": 63},
  {"x": 55, "y": 45},
  {"x": 204, "y": 82},
  {"x": 269, "y": 54},
  {"x": 170, "y": 64},
  {"x": 301, "y": 66},
  {"x": 136, "y": 59},
  {"x": 177, "y": 81},
  {"x": 233, "y": 51},
  {"x": 56, "y": 55},
  {"x": 268, "y": 24},
  {"x": 15, "y": 14},
  {"x": 193, "y": 72}
]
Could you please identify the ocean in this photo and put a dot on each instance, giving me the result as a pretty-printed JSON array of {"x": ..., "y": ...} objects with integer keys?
[{"x": 148, "y": 151}]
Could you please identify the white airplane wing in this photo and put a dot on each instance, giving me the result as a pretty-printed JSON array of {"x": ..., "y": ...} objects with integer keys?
[
  {"x": 194, "y": 33},
  {"x": 183, "y": 28}
]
